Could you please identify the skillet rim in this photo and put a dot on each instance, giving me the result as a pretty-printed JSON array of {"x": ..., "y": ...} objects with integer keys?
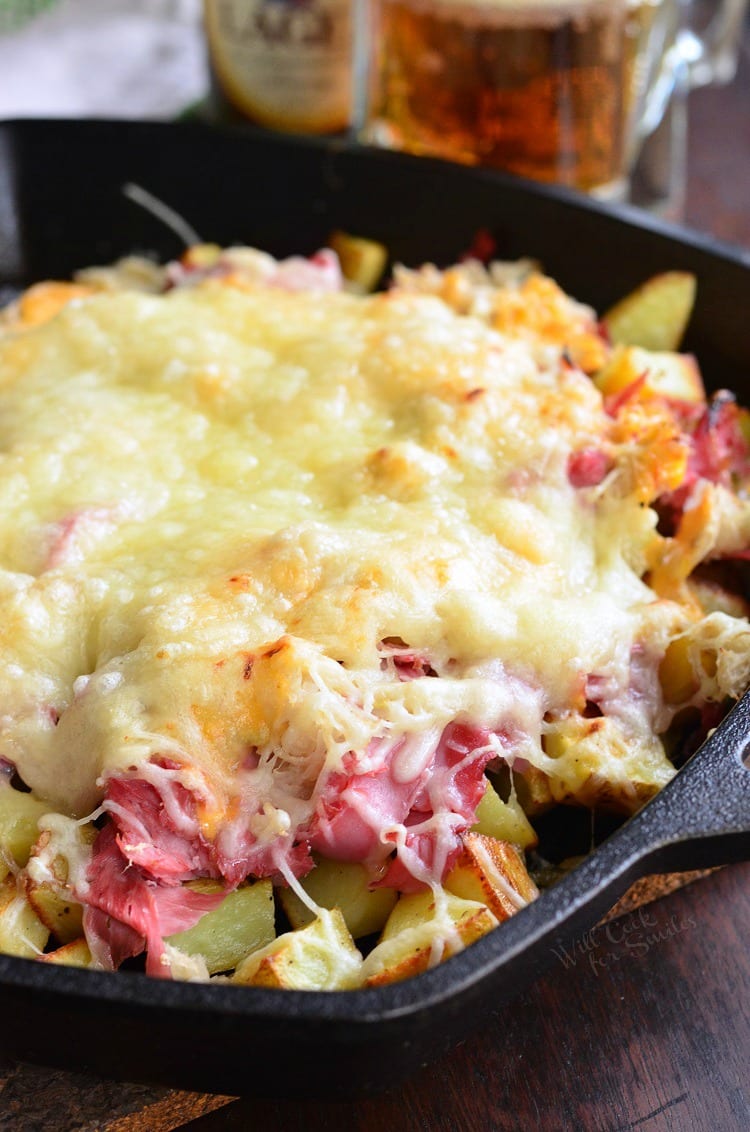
[{"x": 476, "y": 965}]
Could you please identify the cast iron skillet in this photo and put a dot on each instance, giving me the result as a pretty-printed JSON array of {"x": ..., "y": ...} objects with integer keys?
[{"x": 61, "y": 207}]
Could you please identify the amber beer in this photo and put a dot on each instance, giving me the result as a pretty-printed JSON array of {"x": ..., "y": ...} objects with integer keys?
[{"x": 550, "y": 89}]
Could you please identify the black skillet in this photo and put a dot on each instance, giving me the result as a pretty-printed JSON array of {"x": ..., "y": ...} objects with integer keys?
[{"x": 62, "y": 207}]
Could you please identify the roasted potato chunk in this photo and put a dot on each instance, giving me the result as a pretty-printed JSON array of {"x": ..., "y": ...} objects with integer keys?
[
  {"x": 362, "y": 261},
  {"x": 321, "y": 956},
  {"x": 493, "y": 873},
  {"x": 19, "y": 815},
  {"x": 664, "y": 373},
  {"x": 22, "y": 933},
  {"x": 423, "y": 929},
  {"x": 343, "y": 885},
  {"x": 243, "y": 922},
  {"x": 504, "y": 820},
  {"x": 73, "y": 954},
  {"x": 656, "y": 314}
]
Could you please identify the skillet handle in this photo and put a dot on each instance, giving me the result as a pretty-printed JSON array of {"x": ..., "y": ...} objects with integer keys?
[{"x": 702, "y": 818}]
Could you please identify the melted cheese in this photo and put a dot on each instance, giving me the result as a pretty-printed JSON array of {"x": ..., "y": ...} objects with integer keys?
[{"x": 216, "y": 505}]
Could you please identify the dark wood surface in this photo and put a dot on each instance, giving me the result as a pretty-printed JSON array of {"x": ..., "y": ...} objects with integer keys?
[
  {"x": 718, "y": 197},
  {"x": 648, "y": 1028}
]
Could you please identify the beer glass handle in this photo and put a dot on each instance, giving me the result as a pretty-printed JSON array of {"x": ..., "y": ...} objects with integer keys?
[
  {"x": 710, "y": 52},
  {"x": 703, "y": 51}
]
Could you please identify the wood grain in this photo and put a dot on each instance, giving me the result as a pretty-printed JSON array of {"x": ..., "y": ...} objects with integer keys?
[
  {"x": 36, "y": 1099},
  {"x": 640, "y": 1027}
]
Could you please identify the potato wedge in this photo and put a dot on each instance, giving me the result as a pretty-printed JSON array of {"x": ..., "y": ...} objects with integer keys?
[
  {"x": 362, "y": 261},
  {"x": 321, "y": 956},
  {"x": 62, "y": 916},
  {"x": 343, "y": 885},
  {"x": 656, "y": 314},
  {"x": 504, "y": 820},
  {"x": 665, "y": 374},
  {"x": 19, "y": 815},
  {"x": 421, "y": 931},
  {"x": 678, "y": 680},
  {"x": 493, "y": 873},
  {"x": 242, "y": 923},
  {"x": 201, "y": 256},
  {"x": 534, "y": 791},
  {"x": 22, "y": 933},
  {"x": 61, "y": 848},
  {"x": 73, "y": 954}
]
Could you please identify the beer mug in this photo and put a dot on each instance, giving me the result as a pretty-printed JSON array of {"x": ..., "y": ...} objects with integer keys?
[{"x": 563, "y": 91}]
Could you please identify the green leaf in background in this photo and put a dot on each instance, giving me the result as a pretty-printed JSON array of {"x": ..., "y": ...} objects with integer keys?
[{"x": 15, "y": 13}]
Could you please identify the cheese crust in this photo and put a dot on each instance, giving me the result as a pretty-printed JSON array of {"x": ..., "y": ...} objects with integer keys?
[{"x": 264, "y": 547}]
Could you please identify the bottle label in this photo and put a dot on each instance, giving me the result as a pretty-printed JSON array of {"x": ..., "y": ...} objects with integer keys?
[{"x": 287, "y": 64}]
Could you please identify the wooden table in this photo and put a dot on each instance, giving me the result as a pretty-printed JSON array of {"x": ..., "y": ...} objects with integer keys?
[
  {"x": 718, "y": 199},
  {"x": 648, "y": 1029}
]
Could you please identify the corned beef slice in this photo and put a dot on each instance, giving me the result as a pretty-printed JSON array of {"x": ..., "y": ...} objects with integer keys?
[
  {"x": 416, "y": 801},
  {"x": 357, "y": 816},
  {"x": 127, "y": 911},
  {"x": 147, "y": 834}
]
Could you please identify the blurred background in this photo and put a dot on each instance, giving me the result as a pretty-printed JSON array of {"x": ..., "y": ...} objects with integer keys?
[
  {"x": 620, "y": 98},
  {"x": 114, "y": 59}
]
